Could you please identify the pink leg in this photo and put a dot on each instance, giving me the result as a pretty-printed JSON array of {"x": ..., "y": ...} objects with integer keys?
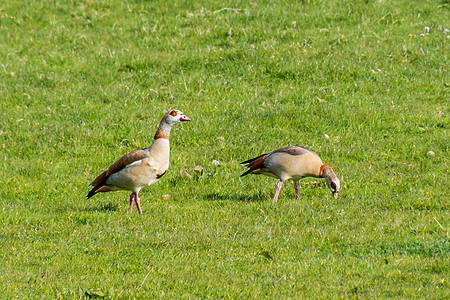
[
  {"x": 277, "y": 192},
  {"x": 296, "y": 190},
  {"x": 138, "y": 204},
  {"x": 132, "y": 197}
]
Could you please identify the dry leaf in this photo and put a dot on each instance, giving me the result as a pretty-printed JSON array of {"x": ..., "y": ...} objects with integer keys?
[
  {"x": 320, "y": 100},
  {"x": 198, "y": 169},
  {"x": 185, "y": 173},
  {"x": 221, "y": 138}
]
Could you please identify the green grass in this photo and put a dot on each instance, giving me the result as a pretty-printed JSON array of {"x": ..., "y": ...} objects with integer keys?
[{"x": 84, "y": 82}]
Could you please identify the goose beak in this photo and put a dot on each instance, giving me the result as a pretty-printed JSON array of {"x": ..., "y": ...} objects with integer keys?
[
  {"x": 184, "y": 118},
  {"x": 335, "y": 195}
]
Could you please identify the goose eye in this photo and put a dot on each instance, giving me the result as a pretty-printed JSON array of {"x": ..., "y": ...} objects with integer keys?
[
  {"x": 173, "y": 113},
  {"x": 333, "y": 185}
]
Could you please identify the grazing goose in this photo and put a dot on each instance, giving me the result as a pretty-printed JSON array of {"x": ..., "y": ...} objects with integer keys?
[
  {"x": 292, "y": 162},
  {"x": 140, "y": 168}
]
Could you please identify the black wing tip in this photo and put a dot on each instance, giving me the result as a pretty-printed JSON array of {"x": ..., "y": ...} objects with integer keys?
[
  {"x": 93, "y": 191},
  {"x": 247, "y": 162},
  {"x": 245, "y": 173}
]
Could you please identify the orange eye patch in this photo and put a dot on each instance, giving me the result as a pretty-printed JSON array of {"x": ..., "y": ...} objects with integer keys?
[{"x": 173, "y": 113}]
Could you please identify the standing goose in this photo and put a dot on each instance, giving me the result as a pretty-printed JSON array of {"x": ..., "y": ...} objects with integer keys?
[
  {"x": 140, "y": 168},
  {"x": 292, "y": 162}
]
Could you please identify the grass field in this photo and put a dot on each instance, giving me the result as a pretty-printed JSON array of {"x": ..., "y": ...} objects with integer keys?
[{"x": 84, "y": 82}]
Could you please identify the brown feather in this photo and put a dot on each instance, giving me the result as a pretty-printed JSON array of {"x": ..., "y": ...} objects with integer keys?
[
  {"x": 252, "y": 159},
  {"x": 158, "y": 176},
  {"x": 255, "y": 165}
]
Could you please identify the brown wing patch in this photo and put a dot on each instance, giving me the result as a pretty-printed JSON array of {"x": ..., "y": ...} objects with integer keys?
[
  {"x": 119, "y": 164},
  {"x": 255, "y": 165},
  {"x": 99, "y": 179},
  {"x": 293, "y": 150},
  {"x": 158, "y": 176}
]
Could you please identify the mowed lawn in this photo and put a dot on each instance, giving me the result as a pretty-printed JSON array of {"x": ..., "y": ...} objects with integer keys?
[{"x": 364, "y": 84}]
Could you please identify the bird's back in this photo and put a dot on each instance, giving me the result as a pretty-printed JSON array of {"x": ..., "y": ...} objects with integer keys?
[
  {"x": 292, "y": 162},
  {"x": 288, "y": 165}
]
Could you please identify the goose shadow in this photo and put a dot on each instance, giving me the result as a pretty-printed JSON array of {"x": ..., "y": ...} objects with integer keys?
[
  {"x": 255, "y": 197},
  {"x": 103, "y": 207}
]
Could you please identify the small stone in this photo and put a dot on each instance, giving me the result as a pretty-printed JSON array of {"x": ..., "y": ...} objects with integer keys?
[
  {"x": 431, "y": 153},
  {"x": 326, "y": 136}
]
